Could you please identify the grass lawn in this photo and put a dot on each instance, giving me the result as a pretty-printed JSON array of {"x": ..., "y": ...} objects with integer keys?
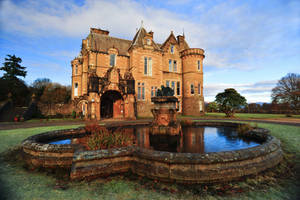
[
  {"x": 253, "y": 115},
  {"x": 18, "y": 183},
  {"x": 53, "y": 120}
]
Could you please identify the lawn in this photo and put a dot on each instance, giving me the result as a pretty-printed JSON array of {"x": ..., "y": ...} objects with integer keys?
[
  {"x": 253, "y": 115},
  {"x": 53, "y": 120},
  {"x": 17, "y": 182}
]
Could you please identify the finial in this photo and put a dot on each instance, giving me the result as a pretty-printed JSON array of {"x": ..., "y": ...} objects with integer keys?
[
  {"x": 183, "y": 32},
  {"x": 142, "y": 23}
]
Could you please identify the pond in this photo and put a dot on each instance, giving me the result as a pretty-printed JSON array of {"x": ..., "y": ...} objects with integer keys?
[{"x": 192, "y": 139}]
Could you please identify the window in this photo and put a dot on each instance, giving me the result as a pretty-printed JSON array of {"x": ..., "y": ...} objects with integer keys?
[
  {"x": 76, "y": 69},
  {"x": 192, "y": 89},
  {"x": 139, "y": 91},
  {"x": 143, "y": 91},
  {"x": 167, "y": 83},
  {"x": 200, "y": 106},
  {"x": 173, "y": 86},
  {"x": 199, "y": 88},
  {"x": 148, "y": 66},
  {"x": 148, "y": 42},
  {"x": 178, "y": 88},
  {"x": 175, "y": 66},
  {"x": 153, "y": 91},
  {"x": 170, "y": 65},
  {"x": 76, "y": 89},
  {"x": 112, "y": 60},
  {"x": 172, "y": 49},
  {"x": 199, "y": 66},
  {"x": 145, "y": 66}
]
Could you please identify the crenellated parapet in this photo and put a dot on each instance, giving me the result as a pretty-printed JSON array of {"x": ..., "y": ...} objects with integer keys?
[{"x": 192, "y": 51}]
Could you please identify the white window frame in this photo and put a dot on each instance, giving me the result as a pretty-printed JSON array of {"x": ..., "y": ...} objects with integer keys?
[{"x": 147, "y": 66}]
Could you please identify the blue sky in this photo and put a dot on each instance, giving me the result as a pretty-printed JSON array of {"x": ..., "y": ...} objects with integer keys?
[{"x": 249, "y": 44}]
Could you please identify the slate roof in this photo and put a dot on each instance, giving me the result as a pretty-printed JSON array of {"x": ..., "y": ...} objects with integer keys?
[{"x": 103, "y": 43}]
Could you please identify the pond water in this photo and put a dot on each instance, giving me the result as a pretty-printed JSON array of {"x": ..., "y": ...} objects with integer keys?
[
  {"x": 66, "y": 141},
  {"x": 201, "y": 139}
]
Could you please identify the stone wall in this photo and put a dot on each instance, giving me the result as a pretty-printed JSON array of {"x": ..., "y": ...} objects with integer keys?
[
  {"x": 167, "y": 166},
  {"x": 63, "y": 109},
  {"x": 40, "y": 154}
]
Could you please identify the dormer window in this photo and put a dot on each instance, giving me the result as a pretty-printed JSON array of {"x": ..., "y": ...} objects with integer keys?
[
  {"x": 112, "y": 61},
  {"x": 148, "y": 42},
  {"x": 172, "y": 49}
]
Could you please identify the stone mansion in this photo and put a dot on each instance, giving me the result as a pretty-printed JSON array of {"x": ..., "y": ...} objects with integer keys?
[{"x": 116, "y": 78}]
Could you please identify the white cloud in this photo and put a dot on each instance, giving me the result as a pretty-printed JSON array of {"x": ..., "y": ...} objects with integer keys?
[
  {"x": 233, "y": 35},
  {"x": 256, "y": 92}
]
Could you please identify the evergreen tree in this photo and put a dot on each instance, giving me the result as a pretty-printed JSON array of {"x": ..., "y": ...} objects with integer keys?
[
  {"x": 12, "y": 68},
  {"x": 11, "y": 84}
]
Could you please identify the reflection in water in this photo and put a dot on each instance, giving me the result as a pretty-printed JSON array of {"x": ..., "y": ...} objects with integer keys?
[
  {"x": 194, "y": 140},
  {"x": 190, "y": 140}
]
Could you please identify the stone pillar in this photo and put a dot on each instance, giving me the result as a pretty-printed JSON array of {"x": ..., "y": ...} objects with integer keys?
[{"x": 129, "y": 112}]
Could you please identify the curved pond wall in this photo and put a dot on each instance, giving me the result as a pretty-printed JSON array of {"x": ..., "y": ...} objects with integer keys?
[
  {"x": 167, "y": 166},
  {"x": 39, "y": 154}
]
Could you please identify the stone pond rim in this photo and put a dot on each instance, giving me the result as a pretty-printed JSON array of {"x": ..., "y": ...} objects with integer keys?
[{"x": 166, "y": 166}]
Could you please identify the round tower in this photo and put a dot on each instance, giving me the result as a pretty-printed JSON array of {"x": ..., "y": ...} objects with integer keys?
[{"x": 192, "y": 81}]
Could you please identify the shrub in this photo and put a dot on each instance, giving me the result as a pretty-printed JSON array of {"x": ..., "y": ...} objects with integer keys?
[
  {"x": 245, "y": 128},
  {"x": 101, "y": 138},
  {"x": 73, "y": 114}
]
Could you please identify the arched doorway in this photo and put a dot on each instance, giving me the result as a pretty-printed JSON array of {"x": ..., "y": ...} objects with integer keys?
[{"x": 112, "y": 105}]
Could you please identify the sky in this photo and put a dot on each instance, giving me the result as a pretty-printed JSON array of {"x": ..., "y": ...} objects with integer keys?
[{"x": 249, "y": 45}]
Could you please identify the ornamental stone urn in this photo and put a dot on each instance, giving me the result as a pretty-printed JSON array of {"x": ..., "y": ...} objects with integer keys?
[{"x": 164, "y": 113}]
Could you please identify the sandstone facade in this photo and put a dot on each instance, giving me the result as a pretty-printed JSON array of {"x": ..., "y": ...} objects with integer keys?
[{"x": 116, "y": 78}]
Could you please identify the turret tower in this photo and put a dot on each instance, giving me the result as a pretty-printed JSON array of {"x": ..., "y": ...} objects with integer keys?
[{"x": 192, "y": 79}]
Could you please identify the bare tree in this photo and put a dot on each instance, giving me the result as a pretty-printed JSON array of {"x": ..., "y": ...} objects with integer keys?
[{"x": 287, "y": 91}]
